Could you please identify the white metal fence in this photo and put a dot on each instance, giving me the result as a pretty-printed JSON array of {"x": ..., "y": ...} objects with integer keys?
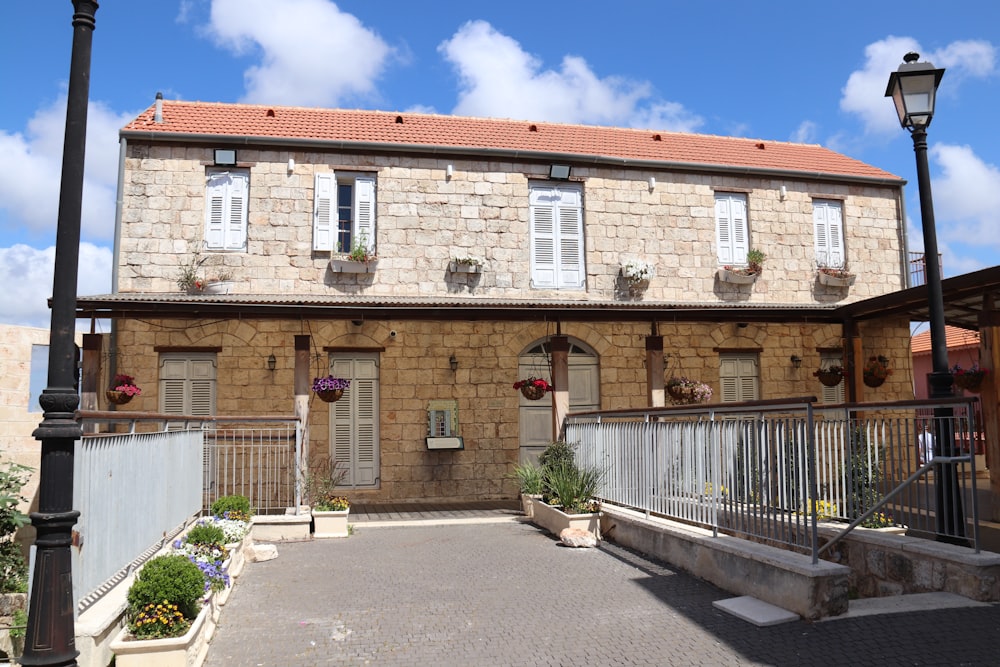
[{"x": 768, "y": 470}]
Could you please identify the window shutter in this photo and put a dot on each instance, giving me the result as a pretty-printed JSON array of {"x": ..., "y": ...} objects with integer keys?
[
  {"x": 732, "y": 233},
  {"x": 354, "y": 431},
  {"x": 324, "y": 204},
  {"x": 202, "y": 375},
  {"x": 832, "y": 394},
  {"x": 236, "y": 236},
  {"x": 543, "y": 238},
  {"x": 741, "y": 237},
  {"x": 173, "y": 378},
  {"x": 829, "y": 228},
  {"x": 215, "y": 209},
  {"x": 738, "y": 378},
  {"x": 187, "y": 385},
  {"x": 835, "y": 221},
  {"x": 364, "y": 211},
  {"x": 571, "y": 268}
]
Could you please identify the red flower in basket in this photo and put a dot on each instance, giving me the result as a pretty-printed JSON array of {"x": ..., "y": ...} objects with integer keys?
[{"x": 533, "y": 382}]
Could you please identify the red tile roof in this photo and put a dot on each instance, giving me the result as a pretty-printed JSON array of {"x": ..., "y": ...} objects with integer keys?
[
  {"x": 956, "y": 338},
  {"x": 413, "y": 131}
]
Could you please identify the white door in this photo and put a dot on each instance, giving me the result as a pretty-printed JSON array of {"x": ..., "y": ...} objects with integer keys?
[
  {"x": 536, "y": 416},
  {"x": 354, "y": 420}
]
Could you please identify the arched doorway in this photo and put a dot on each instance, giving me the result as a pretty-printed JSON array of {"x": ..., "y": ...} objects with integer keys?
[{"x": 584, "y": 392}]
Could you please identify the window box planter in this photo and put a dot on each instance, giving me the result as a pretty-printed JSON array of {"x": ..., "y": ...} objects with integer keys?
[
  {"x": 736, "y": 277},
  {"x": 343, "y": 265},
  {"x": 836, "y": 281},
  {"x": 461, "y": 267},
  {"x": 190, "y": 648},
  {"x": 555, "y": 520},
  {"x": 218, "y": 287},
  {"x": 330, "y": 524}
]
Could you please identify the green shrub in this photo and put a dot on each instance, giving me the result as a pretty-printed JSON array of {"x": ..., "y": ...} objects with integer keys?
[
  {"x": 529, "y": 478},
  {"x": 13, "y": 569},
  {"x": 238, "y": 507},
  {"x": 206, "y": 533},
  {"x": 173, "y": 580},
  {"x": 572, "y": 488},
  {"x": 557, "y": 454}
]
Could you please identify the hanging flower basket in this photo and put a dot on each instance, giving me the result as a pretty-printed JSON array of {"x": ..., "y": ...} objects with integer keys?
[
  {"x": 683, "y": 391},
  {"x": 970, "y": 379},
  {"x": 123, "y": 388},
  {"x": 532, "y": 388},
  {"x": 329, "y": 388},
  {"x": 830, "y": 377},
  {"x": 117, "y": 397},
  {"x": 876, "y": 371}
]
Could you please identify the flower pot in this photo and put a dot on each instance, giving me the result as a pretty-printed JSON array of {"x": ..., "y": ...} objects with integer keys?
[
  {"x": 332, "y": 523},
  {"x": 830, "y": 378},
  {"x": 218, "y": 287},
  {"x": 117, "y": 397},
  {"x": 835, "y": 281},
  {"x": 736, "y": 277},
  {"x": 188, "y": 649},
  {"x": 970, "y": 382},
  {"x": 873, "y": 380},
  {"x": 330, "y": 395},
  {"x": 532, "y": 393}
]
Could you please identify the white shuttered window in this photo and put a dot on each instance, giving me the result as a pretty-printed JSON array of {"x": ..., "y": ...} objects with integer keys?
[
  {"x": 226, "y": 195},
  {"x": 828, "y": 222},
  {"x": 556, "y": 216},
  {"x": 739, "y": 377},
  {"x": 344, "y": 212},
  {"x": 354, "y": 420},
  {"x": 731, "y": 229}
]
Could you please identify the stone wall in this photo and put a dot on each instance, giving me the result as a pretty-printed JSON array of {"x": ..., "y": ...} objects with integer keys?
[
  {"x": 414, "y": 370},
  {"x": 425, "y": 218}
]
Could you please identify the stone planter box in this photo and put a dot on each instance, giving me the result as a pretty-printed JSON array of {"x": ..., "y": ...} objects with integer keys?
[
  {"x": 528, "y": 503},
  {"x": 457, "y": 267},
  {"x": 350, "y": 266},
  {"x": 188, "y": 650},
  {"x": 555, "y": 520},
  {"x": 736, "y": 278},
  {"x": 330, "y": 523},
  {"x": 281, "y": 527}
]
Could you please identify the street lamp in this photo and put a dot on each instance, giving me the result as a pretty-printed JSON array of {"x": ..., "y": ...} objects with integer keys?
[{"x": 913, "y": 89}]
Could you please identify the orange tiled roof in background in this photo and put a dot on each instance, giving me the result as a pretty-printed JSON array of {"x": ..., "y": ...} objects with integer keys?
[
  {"x": 956, "y": 338},
  {"x": 213, "y": 122}
]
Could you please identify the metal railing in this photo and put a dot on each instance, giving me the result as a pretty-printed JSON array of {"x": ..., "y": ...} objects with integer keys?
[{"x": 768, "y": 470}]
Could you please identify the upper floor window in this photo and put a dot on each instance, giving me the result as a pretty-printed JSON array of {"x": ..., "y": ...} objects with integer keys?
[
  {"x": 556, "y": 221},
  {"x": 828, "y": 222},
  {"x": 226, "y": 195},
  {"x": 344, "y": 212},
  {"x": 731, "y": 229}
]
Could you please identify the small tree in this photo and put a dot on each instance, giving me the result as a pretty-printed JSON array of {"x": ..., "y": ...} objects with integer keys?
[{"x": 13, "y": 569}]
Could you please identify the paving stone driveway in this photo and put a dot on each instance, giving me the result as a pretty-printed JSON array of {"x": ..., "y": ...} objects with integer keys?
[{"x": 507, "y": 594}]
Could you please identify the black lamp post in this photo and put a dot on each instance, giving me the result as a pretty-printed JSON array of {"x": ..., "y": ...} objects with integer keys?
[
  {"x": 912, "y": 88},
  {"x": 51, "y": 632}
]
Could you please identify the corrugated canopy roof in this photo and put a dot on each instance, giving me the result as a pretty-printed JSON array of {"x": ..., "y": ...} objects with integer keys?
[{"x": 413, "y": 132}]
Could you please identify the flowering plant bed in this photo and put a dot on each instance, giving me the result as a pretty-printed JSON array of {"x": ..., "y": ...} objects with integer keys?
[
  {"x": 683, "y": 391},
  {"x": 554, "y": 520},
  {"x": 330, "y": 388},
  {"x": 969, "y": 379},
  {"x": 533, "y": 388}
]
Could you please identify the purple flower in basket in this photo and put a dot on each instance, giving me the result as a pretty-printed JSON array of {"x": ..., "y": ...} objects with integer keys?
[{"x": 330, "y": 383}]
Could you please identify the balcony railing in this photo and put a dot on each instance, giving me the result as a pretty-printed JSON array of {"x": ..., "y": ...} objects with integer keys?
[{"x": 918, "y": 268}]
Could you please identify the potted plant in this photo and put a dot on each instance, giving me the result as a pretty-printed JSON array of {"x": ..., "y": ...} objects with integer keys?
[
  {"x": 744, "y": 274},
  {"x": 533, "y": 388},
  {"x": 637, "y": 273},
  {"x": 529, "y": 482},
  {"x": 466, "y": 264},
  {"x": 969, "y": 379},
  {"x": 232, "y": 514},
  {"x": 876, "y": 370},
  {"x": 330, "y": 509},
  {"x": 123, "y": 389},
  {"x": 359, "y": 259},
  {"x": 568, "y": 492},
  {"x": 830, "y": 376},
  {"x": 834, "y": 276},
  {"x": 330, "y": 388},
  {"x": 683, "y": 391},
  {"x": 166, "y": 623},
  {"x": 191, "y": 280},
  {"x": 205, "y": 546}
]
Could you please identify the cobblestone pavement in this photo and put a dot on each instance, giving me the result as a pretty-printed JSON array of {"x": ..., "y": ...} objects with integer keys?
[{"x": 506, "y": 594}]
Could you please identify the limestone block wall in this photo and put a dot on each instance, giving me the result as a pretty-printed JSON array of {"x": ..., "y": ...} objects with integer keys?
[
  {"x": 414, "y": 370},
  {"x": 425, "y": 218}
]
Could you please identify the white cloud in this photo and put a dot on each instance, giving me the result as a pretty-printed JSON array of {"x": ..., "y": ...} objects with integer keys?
[
  {"x": 34, "y": 162},
  {"x": 311, "y": 53},
  {"x": 805, "y": 133},
  {"x": 966, "y": 196},
  {"x": 498, "y": 78},
  {"x": 30, "y": 270},
  {"x": 864, "y": 93}
]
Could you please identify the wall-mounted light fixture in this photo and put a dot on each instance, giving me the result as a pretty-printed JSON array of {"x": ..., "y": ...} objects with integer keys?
[
  {"x": 225, "y": 157},
  {"x": 559, "y": 172},
  {"x": 453, "y": 362},
  {"x": 783, "y": 192},
  {"x": 449, "y": 171},
  {"x": 796, "y": 361},
  {"x": 652, "y": 183},
  {"x": 271, "y": 363},
  {"x": 291, "y": 165}
]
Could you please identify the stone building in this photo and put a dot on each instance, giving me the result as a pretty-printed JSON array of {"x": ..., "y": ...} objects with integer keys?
[{"x": 609, "y": 260}]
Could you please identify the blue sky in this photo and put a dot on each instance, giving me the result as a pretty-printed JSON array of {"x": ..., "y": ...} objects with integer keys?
[{"x": 780, "y": 70}]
